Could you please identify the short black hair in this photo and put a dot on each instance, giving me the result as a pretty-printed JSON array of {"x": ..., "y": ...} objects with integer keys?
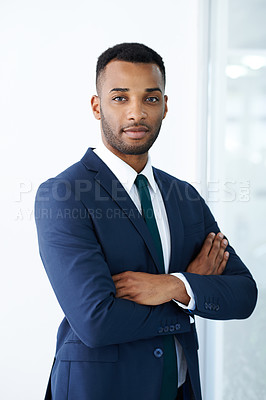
[{"x": 131, "y": 52}]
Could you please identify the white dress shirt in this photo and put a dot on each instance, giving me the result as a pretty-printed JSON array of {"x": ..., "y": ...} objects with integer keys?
[{"x": 127, "y": 175}]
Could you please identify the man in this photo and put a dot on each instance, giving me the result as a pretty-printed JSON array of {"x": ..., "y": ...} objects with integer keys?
[{"x": 132, "y": 253}]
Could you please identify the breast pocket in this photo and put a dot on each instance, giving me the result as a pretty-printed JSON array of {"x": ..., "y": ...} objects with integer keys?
[{"x": 78, "y": 351}]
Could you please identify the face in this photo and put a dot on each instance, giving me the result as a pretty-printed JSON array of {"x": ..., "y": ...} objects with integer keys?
[{"x": 131, "y": 106}]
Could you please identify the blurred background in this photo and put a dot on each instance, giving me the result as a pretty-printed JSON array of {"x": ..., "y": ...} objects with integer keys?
[
  {"x": 237, "y": 160},
  {"x": 214, "y": 136}
]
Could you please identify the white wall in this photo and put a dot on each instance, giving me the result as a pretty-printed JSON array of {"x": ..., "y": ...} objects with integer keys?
[{"x": 48, "y": 52}]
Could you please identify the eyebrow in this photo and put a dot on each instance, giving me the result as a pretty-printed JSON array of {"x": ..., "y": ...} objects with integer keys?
[{"x": 148, "y": 90}]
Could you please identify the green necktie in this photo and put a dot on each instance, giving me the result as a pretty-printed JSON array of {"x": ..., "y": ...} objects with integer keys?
[{"x": 169, "y": 380}]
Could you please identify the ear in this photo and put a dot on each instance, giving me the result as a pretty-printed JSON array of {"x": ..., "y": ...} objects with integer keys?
[
  {"x": 95, "y": 105},
  {"x": 165, "y": 106}
]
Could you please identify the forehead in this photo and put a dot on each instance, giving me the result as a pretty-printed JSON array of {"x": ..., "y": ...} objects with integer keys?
[{"x": 130, "y": 75}]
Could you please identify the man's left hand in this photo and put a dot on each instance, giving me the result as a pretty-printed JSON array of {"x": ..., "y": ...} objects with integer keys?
[{"x": 149, "y": 289}]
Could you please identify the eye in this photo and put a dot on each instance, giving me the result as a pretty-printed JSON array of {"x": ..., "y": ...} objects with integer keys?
[
  {"x": 152, "y": 99},
  {"x": 119, "y": 99}
]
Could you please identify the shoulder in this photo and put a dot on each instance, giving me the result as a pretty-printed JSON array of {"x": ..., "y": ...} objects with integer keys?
[
  {"x": 82, "y": 170},
  {"x": 76, "y": 178}
]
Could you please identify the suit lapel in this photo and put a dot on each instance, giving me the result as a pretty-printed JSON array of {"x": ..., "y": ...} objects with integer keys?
[
  {"x": 171, "y": 200},
  {"x": 108, "y": 181}
]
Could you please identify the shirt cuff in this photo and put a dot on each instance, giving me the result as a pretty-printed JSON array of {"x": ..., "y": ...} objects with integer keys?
[{"x": 191, "y": 305}]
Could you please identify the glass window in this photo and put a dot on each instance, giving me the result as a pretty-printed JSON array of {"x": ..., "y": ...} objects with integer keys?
[{"x": 237, "y": 165}]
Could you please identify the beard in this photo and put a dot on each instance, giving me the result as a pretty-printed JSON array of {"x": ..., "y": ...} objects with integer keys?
[{"x": 116, "y": 140}]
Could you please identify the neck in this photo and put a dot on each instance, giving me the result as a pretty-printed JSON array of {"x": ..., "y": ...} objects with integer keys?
[{"x": 136, "y": 161}]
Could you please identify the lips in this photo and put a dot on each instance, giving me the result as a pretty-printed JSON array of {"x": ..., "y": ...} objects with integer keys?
[{"x": 136, "y": 132}]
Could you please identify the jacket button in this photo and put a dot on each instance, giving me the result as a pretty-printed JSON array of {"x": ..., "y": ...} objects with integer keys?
[
  {"x": 172, "y": 328},
  {"x": 160, "y": 330},
  {"x": 166, "y": 329},
  {"x": 217, "y": 308},
  {"x": 158, "y": 352},
  {"x": 177, "y": 327}
]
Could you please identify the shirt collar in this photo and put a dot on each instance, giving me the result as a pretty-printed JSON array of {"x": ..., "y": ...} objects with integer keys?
[
  {"x": 124, "y": 172},
  {"x": 148, "y": 172}
]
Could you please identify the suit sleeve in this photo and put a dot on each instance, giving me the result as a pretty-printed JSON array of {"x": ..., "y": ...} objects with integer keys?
[
  {"x": 233, "y": 294},
  {"x": 81, "y": 279}
]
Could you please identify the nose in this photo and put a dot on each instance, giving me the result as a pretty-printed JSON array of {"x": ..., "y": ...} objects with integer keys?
[{"x": 136, "y": 111}]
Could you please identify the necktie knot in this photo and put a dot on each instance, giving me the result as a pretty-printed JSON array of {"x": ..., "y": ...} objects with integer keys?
[{"x": 141, "y": 181}]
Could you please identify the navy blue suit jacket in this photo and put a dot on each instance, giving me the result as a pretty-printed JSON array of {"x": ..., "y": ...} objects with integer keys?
[{"x": 88, "y": 230}]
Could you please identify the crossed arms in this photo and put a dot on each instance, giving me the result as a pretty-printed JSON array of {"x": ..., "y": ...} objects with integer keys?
[
  {"x": 92, "y": 299},
  {"x": 150, "y": 289}
]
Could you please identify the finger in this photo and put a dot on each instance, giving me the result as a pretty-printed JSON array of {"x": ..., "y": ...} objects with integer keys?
[
  {"x": 218, "y": 259},
  {"x": 118, "y": 277},
  {"x": 122, "y": 296},
  {"x": 215, "y": 248},
  {"x": 224, "y": 243},
  {"x": 220, "y": 255},
  {"x": 123, "y": 282},
  {"x": 125, "y": 294},
  {"x": 122, "y": 293},
  {"x": 119, "y": 285},
  {"x": 222, "y": 266},
  {"x": 207, "y": 245}
]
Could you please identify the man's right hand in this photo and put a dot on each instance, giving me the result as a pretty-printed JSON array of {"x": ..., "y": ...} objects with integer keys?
[{"x": 212, "y": 258}]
